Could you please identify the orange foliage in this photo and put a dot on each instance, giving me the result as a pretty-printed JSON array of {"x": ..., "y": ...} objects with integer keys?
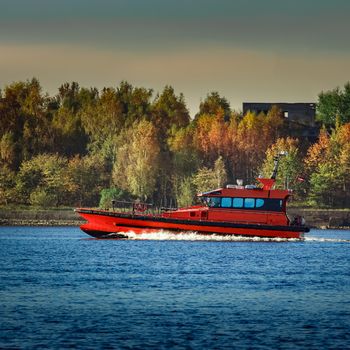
[
  {"x": 317, "y": 151},
  {"x": 211, "y": 136},
  {"x": 242, "y": 143}
]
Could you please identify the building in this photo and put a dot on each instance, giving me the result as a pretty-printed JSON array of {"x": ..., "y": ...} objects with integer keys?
[
  {"x": 299, "y": 117},
  {"x": 303, "y": 113}
]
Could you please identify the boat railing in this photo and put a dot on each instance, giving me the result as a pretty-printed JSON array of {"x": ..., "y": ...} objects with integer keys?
[{"x": 137, "y": 207}]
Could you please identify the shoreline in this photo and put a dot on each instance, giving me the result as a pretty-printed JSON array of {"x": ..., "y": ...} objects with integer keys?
[
  {"x": 21, "y": 222},
  {"x": 315, "y": 218},
  {"x": 39, "y": 217}
]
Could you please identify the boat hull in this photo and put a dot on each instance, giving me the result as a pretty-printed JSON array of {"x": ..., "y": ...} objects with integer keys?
[{"x": 105, "y": 224}]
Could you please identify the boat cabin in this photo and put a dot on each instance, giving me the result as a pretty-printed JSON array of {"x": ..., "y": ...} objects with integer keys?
[
  {"x": 246, "y": 199},
  {"x": 261, "y": 205}
]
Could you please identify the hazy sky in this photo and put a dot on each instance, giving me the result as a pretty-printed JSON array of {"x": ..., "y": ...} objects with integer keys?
[{"x": 251, "y": 50}]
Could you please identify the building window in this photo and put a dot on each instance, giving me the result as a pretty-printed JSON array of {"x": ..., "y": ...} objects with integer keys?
[{"x": 285, "y": 114}]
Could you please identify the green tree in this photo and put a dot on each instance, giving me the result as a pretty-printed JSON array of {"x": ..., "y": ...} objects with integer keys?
[
  {"x": 185, "y": 158},
  {"x": 7, "y": 186},
  {"x": 106, "y": 115},
  {"x": 290, "y": 165},
  {"x": 109, "y": 194},
  {"x": 86, "y": 177},
  {"x": 326, "y": 185},
  {"x": 168, "y": 111},
  {"x": 207, "y": 179},
  {"x": 214, "y": 104},
  {"x": 42, "y": 181},
  {"x": 185, "y": 193},
  {"x": 102, "y": 120},
  {"x": 328, "y": 163},
  {"x": 69, "y": 137},
  {"x": 135, "y": 102},
  {"x": 137, "y": 160},
  {"x": 185, "y": 162},
  {"x": 334, "y": 104},
  {"x": 24, "y": 115}
]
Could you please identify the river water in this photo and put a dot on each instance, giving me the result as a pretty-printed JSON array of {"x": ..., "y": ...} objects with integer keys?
[{"x": 60, "y": 289}]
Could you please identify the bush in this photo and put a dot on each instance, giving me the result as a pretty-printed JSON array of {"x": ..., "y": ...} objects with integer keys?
[{"x": 41, "y": 198}]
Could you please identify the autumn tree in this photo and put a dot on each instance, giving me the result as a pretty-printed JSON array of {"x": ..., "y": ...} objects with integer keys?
[
  {"x": 67, "y": 148},
  {"x": 185, "y": 162},
  {"x": 317, "y": 152},
  {"x": 255, "y": 133},
  {"x": 25, "y": 124},
  {"x": 137, "y": 160},
  {"x": 252, "y": 144},
  {"x": 7, "y": 149}
]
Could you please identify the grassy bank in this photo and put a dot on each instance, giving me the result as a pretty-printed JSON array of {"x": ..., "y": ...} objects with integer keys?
[{"x": 39, "y": 217}]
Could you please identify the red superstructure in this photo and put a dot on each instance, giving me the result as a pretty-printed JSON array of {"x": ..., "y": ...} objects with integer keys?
[{"x": 235, "y": 210}]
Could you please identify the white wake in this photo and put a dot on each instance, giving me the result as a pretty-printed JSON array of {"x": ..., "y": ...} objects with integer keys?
[
  {"x": 163, "y": 235},
  {"x": 322, "y": 239}
]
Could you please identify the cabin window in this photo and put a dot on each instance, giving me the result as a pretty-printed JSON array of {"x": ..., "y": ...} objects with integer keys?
[
  {"x": 259, "y": 203},
  {"x": 226, "y": 202},
  {"x": 214, "y": 202},
  {"x": 205, "y": 200},
  {"x": 273, "y": 205},
  {"x": 237, "y": 202},
  {"x": 249, "y": 203},
  {"x": 267, "y": 204}
]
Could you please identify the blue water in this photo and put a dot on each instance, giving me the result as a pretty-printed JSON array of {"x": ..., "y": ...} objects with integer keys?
[{"x": 60, "y": 289}]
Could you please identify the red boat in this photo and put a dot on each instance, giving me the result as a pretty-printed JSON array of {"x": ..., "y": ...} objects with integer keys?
[{"x": 235, "y": 210}]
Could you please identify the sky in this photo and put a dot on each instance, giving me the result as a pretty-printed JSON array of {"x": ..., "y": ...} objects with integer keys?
[{"x": 247, "y": 50}]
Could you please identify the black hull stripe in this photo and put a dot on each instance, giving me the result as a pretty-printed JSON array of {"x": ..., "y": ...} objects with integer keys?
[{"x": 193, "y": 222}]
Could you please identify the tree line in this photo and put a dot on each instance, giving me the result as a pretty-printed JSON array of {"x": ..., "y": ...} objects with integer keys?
[{"x": 84, "y": 147}]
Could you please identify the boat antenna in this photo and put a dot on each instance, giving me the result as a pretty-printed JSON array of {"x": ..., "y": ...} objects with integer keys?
[{"x": 276, "y": 160}]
